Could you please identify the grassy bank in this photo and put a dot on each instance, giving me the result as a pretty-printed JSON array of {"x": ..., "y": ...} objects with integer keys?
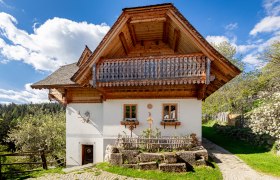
[
  {"x": 199, "y": 173},
  {"x": 257, "y": 157},
  {"x": 40, "y": 172}
]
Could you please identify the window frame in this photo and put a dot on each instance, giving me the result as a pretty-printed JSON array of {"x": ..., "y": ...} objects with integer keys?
[
  {"x": 124, "y": 112},
  {"x": 169, "y": 113}
]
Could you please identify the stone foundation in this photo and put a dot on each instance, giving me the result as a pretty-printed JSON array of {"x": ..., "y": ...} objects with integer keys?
[
  {"x": 177, "y": 167},
  {"x": 166, "y": 161}
]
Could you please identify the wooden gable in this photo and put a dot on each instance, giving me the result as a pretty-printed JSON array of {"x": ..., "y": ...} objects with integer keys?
[
  {"x": 149, "y": 52},
  {"x": 154, "y": 31}
]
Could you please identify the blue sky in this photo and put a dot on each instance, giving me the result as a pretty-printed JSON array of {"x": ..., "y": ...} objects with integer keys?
[{"x": 37, "y": 37}]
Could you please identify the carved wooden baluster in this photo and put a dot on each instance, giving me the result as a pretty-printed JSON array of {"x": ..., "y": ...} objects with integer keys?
[
  {"x": 190, "y": 59},
  {"x": 168, "y": 68},
  {"x": 139, "y": 68},
  {"x": 109, "y": 71},
  {"x": 100, "y": 69},
  {"x": 104, "y": 71},
  {"x": 94, "y": 75},
  {"x": 172, "y": 60},
  {"x": 149, "y": 68},
  {"x": 194, "y": 67},
  {"x": 117, "y": 70},
  {"x": 208, "y": 71},
  {"x": 198, "y": 66},
  {"x": 181, "y": 66},
  {"x": 160, "y": 69},
  {"x": 185, "y": 66},
  {"x": 121, "y": 71},
  {"x": 176, "y": 67},
  {"x": 203, "y": 66},
  {"x": 126, "y": 70},
  {"x": 129, "y": 69}
]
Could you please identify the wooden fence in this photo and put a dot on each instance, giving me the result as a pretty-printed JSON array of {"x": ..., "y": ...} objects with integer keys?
[
  {"x": 41, "y": 153},
  {"x": 169, "y": 143}
]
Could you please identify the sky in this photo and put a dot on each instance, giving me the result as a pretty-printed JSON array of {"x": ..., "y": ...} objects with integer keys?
[{"x": 37, "y": 37}]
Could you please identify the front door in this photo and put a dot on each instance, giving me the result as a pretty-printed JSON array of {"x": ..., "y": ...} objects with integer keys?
[{"x": 87, "y": 154}]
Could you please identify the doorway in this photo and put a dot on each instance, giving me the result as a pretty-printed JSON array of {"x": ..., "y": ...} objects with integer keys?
[{"x": 87, "y": 154}]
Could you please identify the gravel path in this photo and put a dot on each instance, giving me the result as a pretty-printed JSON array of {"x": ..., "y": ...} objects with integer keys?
[
  {"x": 89, "y": 174},
  {"x": 231, "y": 166}
]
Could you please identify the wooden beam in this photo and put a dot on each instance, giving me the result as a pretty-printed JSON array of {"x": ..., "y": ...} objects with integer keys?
[
  {"x": 201, "y": 91},
  {"x": 162, "y": 19},
  {"x": 176, "y": 39},
  {"x": 124, "y": 43},
  {"x": 165, "y": 34},
  {"x": 132, "y": 33}
]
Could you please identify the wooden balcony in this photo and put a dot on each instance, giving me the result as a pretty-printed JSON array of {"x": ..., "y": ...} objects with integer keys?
[{"x": 154, "y": 70}]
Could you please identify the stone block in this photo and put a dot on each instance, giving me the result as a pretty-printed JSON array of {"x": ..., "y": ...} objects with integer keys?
[
  {"x": 130, "y": 156},
  {"x": 203, "y": 153},
  {"x": 148, "y": 157},
  {"x": 200, "y": 162},
  {"x": 116, "y": 159},
  {"x": 134, "y": 166},
  {"x": 109, "y": 150},
  {"x": 186, "y": 156},
  {"x": 148, "y": 166},
  {"x": 169, "y": 158},
  {"x": 176, "y": 167}
]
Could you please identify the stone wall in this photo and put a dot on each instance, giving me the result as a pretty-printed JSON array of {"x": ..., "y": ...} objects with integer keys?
[{"x": 165, "y": 161}]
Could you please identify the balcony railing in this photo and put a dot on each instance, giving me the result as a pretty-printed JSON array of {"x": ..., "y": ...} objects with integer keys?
[{"x": 157, "y": 70}]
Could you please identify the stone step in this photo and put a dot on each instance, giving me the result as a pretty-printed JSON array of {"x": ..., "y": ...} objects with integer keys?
[
  {"x": 176, "y": 167},
  {"x": 148, "y": 166}
]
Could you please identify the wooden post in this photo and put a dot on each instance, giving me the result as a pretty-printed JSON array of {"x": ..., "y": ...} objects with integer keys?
[
  {"x": 43, "y": 157},
  {"x": 0, "y": 168}
]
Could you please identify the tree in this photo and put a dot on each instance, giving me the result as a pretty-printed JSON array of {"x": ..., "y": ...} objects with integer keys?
[
  {"x": 229, "y": 51},
  {"x": 40, "y": 131}
]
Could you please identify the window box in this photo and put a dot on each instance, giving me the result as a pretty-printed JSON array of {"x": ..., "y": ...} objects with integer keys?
[
  {"x": 170, "y": 123},
  {"x": 130, "y": 123}
]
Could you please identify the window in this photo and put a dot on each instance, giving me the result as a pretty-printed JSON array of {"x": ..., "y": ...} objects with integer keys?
[
  {"x": 130, "y": 111},
  {"x": 169, "y": 112}
]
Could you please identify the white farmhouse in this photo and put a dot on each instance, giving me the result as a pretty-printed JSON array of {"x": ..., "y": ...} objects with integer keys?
[{"x": 151, "y": 64}]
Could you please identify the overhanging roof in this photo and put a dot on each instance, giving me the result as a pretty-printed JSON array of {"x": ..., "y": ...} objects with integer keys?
[
  {"x": 199, "y": 44},
  {"x": 59, "y": 78}
]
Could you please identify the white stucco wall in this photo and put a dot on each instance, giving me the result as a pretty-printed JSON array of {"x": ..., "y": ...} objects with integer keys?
[
  {"x": 189, "y": 113},
  {"x": 104, "y": 124},
  {"x": 79, "y": 133}
]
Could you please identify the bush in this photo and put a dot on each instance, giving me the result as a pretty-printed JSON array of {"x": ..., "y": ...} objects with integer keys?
[{"x": 246, "y": 134}]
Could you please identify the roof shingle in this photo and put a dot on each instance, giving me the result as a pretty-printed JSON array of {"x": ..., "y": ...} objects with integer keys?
[{"x": 59, "y": 77}]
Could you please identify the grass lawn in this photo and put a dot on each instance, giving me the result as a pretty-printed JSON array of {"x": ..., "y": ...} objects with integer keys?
[
  {"x": 256, "y": 157},
  {"x": 34, "y": 174},
  {"x": 199, "y": 173}
]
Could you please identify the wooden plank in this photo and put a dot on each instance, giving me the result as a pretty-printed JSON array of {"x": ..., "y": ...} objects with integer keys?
[{"x": 148, "y": 20}]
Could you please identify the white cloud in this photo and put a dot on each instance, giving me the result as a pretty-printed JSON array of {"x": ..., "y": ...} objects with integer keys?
[
  {"x": 216, "y": 39},
  {"x": 27, "y": 95},
  {"x": 267, "y": 24},
  {"x": 251, "y": 59},
  {"x": 272, "y": 7},
  {"x": 54, "y": 43},
  {"x": 231, "y": 26},
  {"x": 245, "y": 48}
]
